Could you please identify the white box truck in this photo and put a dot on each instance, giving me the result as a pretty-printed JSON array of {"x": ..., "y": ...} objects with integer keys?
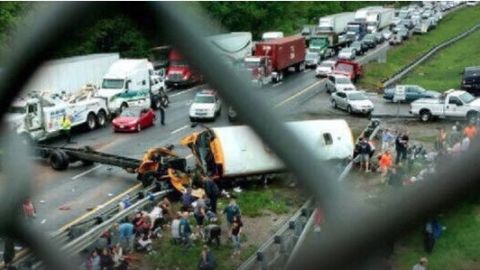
[
  {"x": 379, "y": 19},
  {"x": 361, "y": 14},
  {"x": 70, "y": 74},
  {"x": 127, "y": 83}
]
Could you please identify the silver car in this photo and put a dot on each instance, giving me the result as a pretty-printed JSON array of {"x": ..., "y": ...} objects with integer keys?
[
  {"x": 347, "y": 53},
  {"x": 312, "y": 59},
  {"x": 352, "y": 102},
  {"x": 325, "y": 68}
]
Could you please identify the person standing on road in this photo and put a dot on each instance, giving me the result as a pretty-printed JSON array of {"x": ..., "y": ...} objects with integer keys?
[
  {"x": 29, "y": 210},
  {"x": 470, "y": 131},
  {"x": 230, "y": 211},
  {"x": 235, "y": 232},
  {"x": 199, "y": 212},
  {"x": 66, "y": 125},
  {"x": 207, "y": 261},
  {"x": 401, "y": 146},
  {"x": 387, "y": 138},
  {"x": 162, "y": 109},
  {"x": 126, "y": 235},
  {"x": 385, "y": 163},
  {"x": 212, "y": 191},
  {"x": 364, "y": 151},
  {"x": 185, "y": 230}
]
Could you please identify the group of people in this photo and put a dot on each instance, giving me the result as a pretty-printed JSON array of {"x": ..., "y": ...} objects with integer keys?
[{"x": 113, "y": 249}]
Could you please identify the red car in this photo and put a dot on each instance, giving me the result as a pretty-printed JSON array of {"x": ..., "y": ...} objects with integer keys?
[{"x": 133, "y": 119}]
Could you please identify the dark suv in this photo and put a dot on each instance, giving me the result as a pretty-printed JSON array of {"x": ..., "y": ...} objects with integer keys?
[{"x": 471, "y": 80}]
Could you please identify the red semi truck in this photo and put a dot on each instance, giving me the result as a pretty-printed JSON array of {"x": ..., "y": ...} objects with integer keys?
[
  {"x": 273, "y": 58},
  {"x": 351, "y": 69},
  {"x": 179, "y": 72}
]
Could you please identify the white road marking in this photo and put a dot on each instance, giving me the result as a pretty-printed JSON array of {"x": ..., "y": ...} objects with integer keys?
[
  {"x": 277, "y": 84},
  {"x": 179, "y": 129},
  {"x": 298, "y": 94},
  {"x": 183, "y": 92},
  {"x": 189, "y": 156},
  {"x": 86, "y": 172}
]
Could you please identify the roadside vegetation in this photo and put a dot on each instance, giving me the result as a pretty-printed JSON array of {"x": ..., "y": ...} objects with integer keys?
[
  {"x": 399, "y": 56},
  {"x": 457, "y": 247},
  {"x": 442, "y": 72}
]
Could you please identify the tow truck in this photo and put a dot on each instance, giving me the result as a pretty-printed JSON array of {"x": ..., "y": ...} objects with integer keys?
[{"x": 38, "y": 116}]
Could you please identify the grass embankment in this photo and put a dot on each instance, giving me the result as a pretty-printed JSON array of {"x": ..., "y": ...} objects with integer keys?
[
  {"x": 399, "y": 56},
  {"x": 442, "y": 72},
  {"x": 457, "y": 247},
  {"x": 259, "y": 206}
]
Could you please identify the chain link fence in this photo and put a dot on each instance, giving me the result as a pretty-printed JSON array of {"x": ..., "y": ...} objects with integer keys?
[{"x": 342, "y": 246}]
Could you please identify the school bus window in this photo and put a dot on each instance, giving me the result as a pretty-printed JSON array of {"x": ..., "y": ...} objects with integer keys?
[{"x": 327, "y": 137}]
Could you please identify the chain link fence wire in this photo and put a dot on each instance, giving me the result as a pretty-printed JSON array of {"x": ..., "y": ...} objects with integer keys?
[{"x": 354, "y": 229}]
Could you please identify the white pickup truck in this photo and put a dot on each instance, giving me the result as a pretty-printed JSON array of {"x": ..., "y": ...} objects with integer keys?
[{"x": 454, "y": 104}]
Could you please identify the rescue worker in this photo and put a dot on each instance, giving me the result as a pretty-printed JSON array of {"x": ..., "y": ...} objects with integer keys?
[
  {"x": 66, "y": 125},
  {"x": 470, "y": 131},
  {"x": 161, "y": 109}
]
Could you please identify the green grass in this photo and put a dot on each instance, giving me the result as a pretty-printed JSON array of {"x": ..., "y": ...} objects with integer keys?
[
  {"x": 442, "y": 72},
  {"x": 259, "y": 202},
  {"x": 457, "y": 248},
  {"x": 397, "y": 57},
  {"x": 169, "y": 256}
]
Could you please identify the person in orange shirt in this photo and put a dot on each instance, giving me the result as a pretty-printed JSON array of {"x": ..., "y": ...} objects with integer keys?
[
  {"x": 385, "y": 163},
  {"x": 470, "y": 131}
]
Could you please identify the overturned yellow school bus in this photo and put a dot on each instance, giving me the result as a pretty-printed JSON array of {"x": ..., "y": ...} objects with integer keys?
[{"x": 237, "y": 151}]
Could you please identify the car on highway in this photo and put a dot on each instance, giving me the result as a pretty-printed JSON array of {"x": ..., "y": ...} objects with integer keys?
[
  {"x": 352, "y": 102},
  {"x": 407, "y": 23},
  {"x": 387, "y": 34},
  {"x": 360, "y": 47},
  {"x": 379, "y": 38},
  {"x": 347, "y": 53},
  {"x": 370, "y": 40},
  {"x": 396, "y": 39},
  {"x": 324, "y": 68},
  {"x": 205, "y": 106},
  {"x": 471, "y": 80},
  {"x": 336, "y": 82},
  {"x": 412, "y": 93},
  {"x": 312, "y": 59},
  {"x": 133, "y": 119}
]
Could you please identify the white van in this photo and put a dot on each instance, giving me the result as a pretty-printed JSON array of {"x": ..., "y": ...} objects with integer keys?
[{"x": 127, "y": 83}]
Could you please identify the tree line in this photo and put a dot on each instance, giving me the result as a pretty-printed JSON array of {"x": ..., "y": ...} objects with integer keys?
[{"x": 112, "y": 30}]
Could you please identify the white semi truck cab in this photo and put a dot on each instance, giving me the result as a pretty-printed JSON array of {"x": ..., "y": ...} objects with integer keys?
[{"x": 127, "y": 83}]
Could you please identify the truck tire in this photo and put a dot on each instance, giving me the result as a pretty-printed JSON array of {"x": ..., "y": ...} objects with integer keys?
[
  {"x": 58, "y": 160},
  {"x": 91, "y": 121},
  {"x": 425, "y": 115},
  {"x": 148, "y": 178},
  {"x": 101, "y": 118}
]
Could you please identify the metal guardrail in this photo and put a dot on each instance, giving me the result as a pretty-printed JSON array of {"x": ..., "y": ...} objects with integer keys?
[
  {"x": 66, "y": 235},
  {"x": 406, "y": 69},
  {"x": 273, "y": 254},
  {"x": 87, "y": 239}
]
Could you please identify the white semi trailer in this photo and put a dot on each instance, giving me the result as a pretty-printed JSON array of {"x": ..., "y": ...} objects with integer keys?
[
  {"x": 379, "y": 19},
  {"x": 237, "y": 151},
  {"x": 71, "y": 74},
  {"x": 336, "y": 23}
]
